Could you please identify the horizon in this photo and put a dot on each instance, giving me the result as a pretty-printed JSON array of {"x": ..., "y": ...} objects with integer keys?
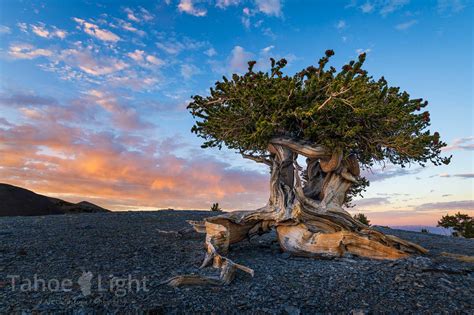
[{"x": 93, "y": 96}]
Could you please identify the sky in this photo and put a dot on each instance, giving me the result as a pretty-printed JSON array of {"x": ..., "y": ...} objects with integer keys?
[{"x": 93, "y": 96}]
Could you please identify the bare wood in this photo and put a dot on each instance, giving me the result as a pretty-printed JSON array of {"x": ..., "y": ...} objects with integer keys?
[
  {"x": 198, "y": 226},
  {"x": 309, "y": 219},
  {"x": 464, "y": 258},
  {"x": 333, "y": 163},
  {"x": 299, "y": 241},
  {"x": 352, "y": 165},
  {"x": 185, "y": 280},
  {"x": 301, "y": 147}
]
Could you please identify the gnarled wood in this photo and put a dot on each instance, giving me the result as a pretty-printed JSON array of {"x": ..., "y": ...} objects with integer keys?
[
  {"x": 302, "y": 147},
  {"x": 308, "y": 217}
]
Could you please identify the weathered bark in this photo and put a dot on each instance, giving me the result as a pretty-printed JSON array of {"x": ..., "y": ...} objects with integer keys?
[{"x": 308, "y": 218}]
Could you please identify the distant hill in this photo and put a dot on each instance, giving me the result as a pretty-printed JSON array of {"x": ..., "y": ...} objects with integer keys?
[
  {"x": 17, "y": 201},
  {"x": 418, "y": 228}
]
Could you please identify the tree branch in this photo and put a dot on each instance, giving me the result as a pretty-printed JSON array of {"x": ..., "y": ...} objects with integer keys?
[
  {"x": 334, "y": 95},
  {"x": 258, "y": 159},
  {"x": 302, "y": 147}
]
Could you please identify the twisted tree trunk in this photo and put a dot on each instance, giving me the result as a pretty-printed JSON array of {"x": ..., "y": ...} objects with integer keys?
[{"x": 308, "y": 218}]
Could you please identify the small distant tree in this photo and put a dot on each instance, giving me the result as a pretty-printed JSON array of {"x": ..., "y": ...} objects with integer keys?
[
  {"x": 424, "y": 231},
  {"x": 461, "y": 223},
  {"x": 215, "y": 207},
  {"x": 362, "y": 218}
]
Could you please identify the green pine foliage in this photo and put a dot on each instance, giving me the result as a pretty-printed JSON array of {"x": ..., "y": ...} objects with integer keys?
[
  {"x": 362, "y": 218},
  {"x": 461, "y": 223},
  {"x": 344, "y": 110},
  {"x": 215, "y": 207}
]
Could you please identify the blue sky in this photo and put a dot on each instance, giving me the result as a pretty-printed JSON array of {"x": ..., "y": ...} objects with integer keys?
[{"x": 93, "y": 95}]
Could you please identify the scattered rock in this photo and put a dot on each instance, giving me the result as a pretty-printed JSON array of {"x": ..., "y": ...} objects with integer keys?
[{"x": 116, "y": 246}]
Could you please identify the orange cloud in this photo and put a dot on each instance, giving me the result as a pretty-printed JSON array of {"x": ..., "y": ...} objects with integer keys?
[{"x": 116, "y": 170}]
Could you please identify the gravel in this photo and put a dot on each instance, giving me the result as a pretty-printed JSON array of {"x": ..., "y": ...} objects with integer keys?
[{"x": 126, "y": 256}]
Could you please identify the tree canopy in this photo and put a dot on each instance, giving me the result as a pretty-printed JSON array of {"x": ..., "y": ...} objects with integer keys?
[
  {"x": 461, "y": 223},
  {"x": 343, "y": 110}
]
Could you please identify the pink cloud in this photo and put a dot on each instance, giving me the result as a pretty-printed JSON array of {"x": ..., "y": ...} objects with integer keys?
[
  {"x": 26, "y": 51},
  {"x": 117, "y": 170}
]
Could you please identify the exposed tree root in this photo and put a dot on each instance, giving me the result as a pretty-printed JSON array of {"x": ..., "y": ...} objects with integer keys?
[
  {"x": 308, "y": 217},
  {"x": 227, "y": 267},
  {"x": 464, "y": 258},
  {"x": 184, "y": 280}
]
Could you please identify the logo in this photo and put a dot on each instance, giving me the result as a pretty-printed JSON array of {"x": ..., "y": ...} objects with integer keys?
[
  {"x": 84, "y": 282},
  {"x": 120, "y": 286}
]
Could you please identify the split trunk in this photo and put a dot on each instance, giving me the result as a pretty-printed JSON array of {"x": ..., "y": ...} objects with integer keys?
[{"x": 307, "y": 213}]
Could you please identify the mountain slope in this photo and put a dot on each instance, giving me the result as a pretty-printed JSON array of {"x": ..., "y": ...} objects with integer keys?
[{"x": 17, "y": 201}]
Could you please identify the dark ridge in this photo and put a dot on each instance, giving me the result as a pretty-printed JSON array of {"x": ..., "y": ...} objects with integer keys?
[{"x": 17, "y": 201}]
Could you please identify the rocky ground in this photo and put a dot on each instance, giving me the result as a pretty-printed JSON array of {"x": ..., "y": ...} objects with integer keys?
[{"x": 120, "y": 259}]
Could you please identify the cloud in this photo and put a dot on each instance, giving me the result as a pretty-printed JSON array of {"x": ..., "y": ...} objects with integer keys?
[
  {"x": 121, "y": 171},
  {"x": 137, "y": 55},
  {"x": 392, "y": 5},
  {"x": 465, "y": 175},
  {"x": 450, "y": 6},
  {"x": 267, "y": 49},
  {"x": 131, "y": 15},
  {"x": 388, "y": 172},
  {"x": 135, "y": 80},
  {"x": 139, "y": 15},
  {"x": 84, "y": 60},
  {"x": 269, "y": 7},
  {"x": 367, "y": 7},
  {"x": 341, "y": 25},
  {"x": 23, "y": 27},
  {"x": 360, "y": 51},
  {"x": 4, "y": 30},
  {"x": 123, "y": 116},
  {"x": 461, "y": 205},
  {"x": 45, "y": 109},
  {"x": 27, "y": 51},
  {"x": 406, "y": 25},
  {"x": 173, "y": 46},
  {"x": 226, "y": 3},
  {"x": 95, "y": 31},
  {"x": 5, "y": 122},
  {"x": 383, "y": 7},
  {"x": 187, "y": 6},
  {"x": 238, "y": 59},
  {"x": 130, "y": 28},
  {"x": 188, "y": 71},
  {"x": 41, "y": 30},
  {"x": 145, "y": 60},
  {"x": 154, "y": 60},
  {"x": 246, "y": 21},
  {"x": 211, "y": 52},
  {"x": 369, "y": 202},
  {"x": 26, "y": 99},
  {"x": 466, "y": 143}
]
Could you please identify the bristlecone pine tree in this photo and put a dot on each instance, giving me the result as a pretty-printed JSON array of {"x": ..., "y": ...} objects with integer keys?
[{"x": 341, "y": 122}]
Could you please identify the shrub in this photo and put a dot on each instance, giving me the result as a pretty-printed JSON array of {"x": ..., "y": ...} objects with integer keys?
[
  {"x": 362, "y": 218},
  {"x": 215, "y": 207}
]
